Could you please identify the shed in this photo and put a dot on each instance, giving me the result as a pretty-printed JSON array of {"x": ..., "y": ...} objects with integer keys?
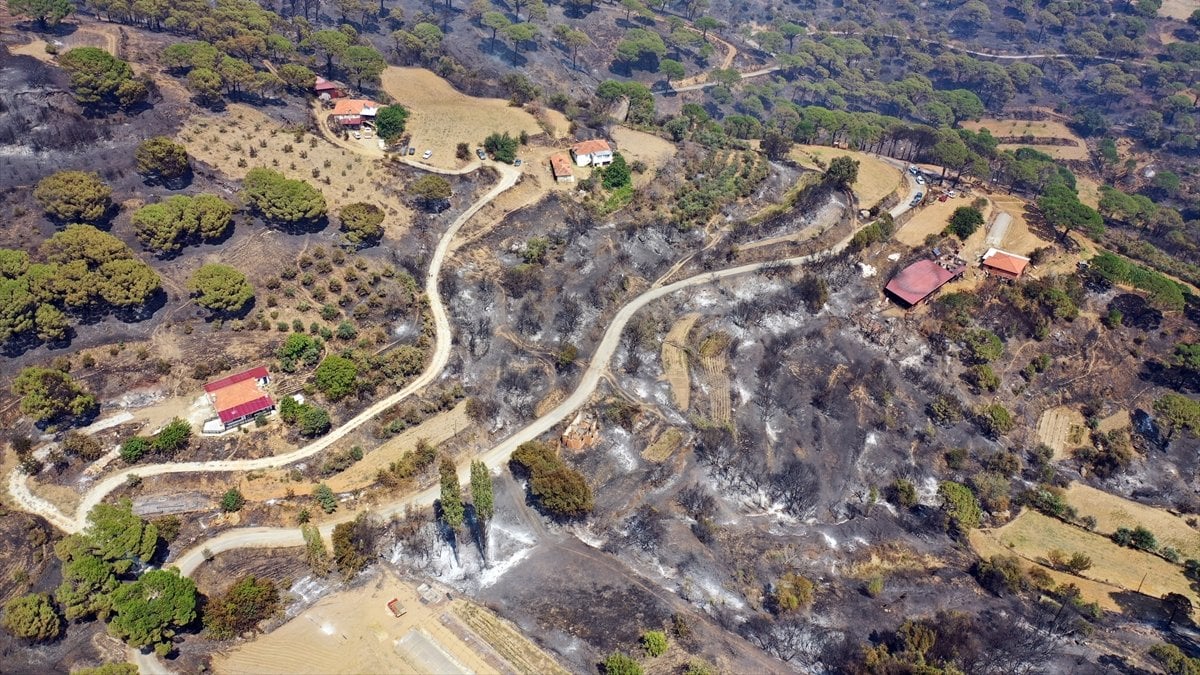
[
  {"x": 332, "y": 89},
  {"x": 1004, "y": 264},
  {"x": 918, "y": 281},
  {"x": 561, "y": 168},
  {"x": 239, "y": 398}
]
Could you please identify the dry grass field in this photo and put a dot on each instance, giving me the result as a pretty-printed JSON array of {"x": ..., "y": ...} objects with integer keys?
[
  {"x": 437, "y": 429},
  {"x": 354, "y": 632},
  {"x": 1019, "y": 239},
  {"x": 221, "y": 140},
  {"x": 664, "y": 446},
  {"x": 1117, "y": 569},
  {"x": 525, "y": 657},
  {"x": 635, "y": 145},
  {"x": 102, "y": 35},
  {"x": 1089, "y": 191},
  {"x": 442, "y": 117},
  {"x": 675, "y": 360},
  {"x": 1179, "y": 9},
  {"x": 1037, "y": 129},
  {"x": 933, "y": 217},
  {"x": 714, "y": 358},
  {"x": 1062, "y": 429},
  {"x": 1112, "y": 512},
  {"x": 876, "y": 178}
]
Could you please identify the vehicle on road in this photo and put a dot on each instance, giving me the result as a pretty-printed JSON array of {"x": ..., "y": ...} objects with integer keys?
[{"x": 480, "y": 154}]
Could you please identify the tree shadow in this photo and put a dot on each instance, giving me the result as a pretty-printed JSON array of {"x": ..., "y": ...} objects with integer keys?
[
  {"x": 478, "y": 529},
  {"x": 447, "y": 534},
  {"x": 144, "y": 311}
]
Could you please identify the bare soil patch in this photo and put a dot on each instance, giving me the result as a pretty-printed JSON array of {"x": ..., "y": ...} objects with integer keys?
[
  {"x": 1112, "y": 512},
  {"x": 675, "y": 360},
  {"x": 1062, "y": 429},
  {"x": 1011, "y": 133},
  {"x": 442, "y": 117},
  {"x": 435, "y": 430},
  {"x": 664, "y": 446},
  {"x": 876, "y": 179},
  {"x": 1179, "y": 9},
  {"x": 933, "y": 217},
  {"x": 636, "y": 145},
  {"x": 1019, "y": 238}
]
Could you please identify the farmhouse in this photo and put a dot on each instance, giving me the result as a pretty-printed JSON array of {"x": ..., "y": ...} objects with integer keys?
[
  {"x": 561, "y": 168},
  {"x": 1004, "y": 264},
  {"x": 352, "y": 112},
  {"x": 324, "y": 87},
  {"x": 240, "y": 398},
  {"x": 915, "y": 283},
  {"x": 596, "y": 152}
]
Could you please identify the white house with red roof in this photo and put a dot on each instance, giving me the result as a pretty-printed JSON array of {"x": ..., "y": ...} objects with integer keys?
[
  {"x": 596, "y": 152},
  {"x": 241, "y": 397},
  {"x": 352, "y": 112}
]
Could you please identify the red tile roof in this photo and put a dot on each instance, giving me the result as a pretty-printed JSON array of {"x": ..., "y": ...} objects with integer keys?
[
  {"x": 325, "y": 85},
  {"x": 591, "y": 147},
  {"x": 352, "y": 106},
  {"x": 915, "y": 282},
  {"x": 560, "y": 166},
  {"x": 1006, "y": 262},
  {"x": 238, "y": 395}
]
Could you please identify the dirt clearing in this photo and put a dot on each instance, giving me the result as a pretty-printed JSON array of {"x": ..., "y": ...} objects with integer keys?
[
  {"x": 1179, "y": 9},
  {"x": 1019, "y": 239},
  {"x": 664, "y": 446},
  {"x": 437, "y": 429},
  {"x": 649, "y": 149},
  {"x": 1036, "y": 134},
  {"x": 442, "y": 117},
  {"x": 354, "y": 632},
  {"x": 1112, "y": 512},
  {"x": 675, "y": 360},
  {"x": 1062, "y": 429},
  {"x": 933, "y": 217},
  {"x": 876, "y": 178},
  {"x": 1033, "y": 535},
  {"x": 502, "y": 636}
]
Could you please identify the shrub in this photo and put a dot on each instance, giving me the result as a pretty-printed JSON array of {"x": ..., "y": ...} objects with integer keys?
[
  {"x": 620, "y": 664},
  {"x": 74, "y": 196},
  {"x": 134, "y": 449},
  {"x": 325, "y": 497},
  {"x": 32, "y": 617},
  {"x": 242, "y": 607},
  {"x": 903, "y": 493},
  {"x": 502, "y": 146},
  {"x": 960, "y": 504},
  {"x": 791, "y": 592},
  {"x": 232, "y": 501},
  {"x": 556, "y": 487},
  {"x": 1000, "y": 574},
  {"x": 654, "y": 642},
  {"x": 964, "y": 222}
]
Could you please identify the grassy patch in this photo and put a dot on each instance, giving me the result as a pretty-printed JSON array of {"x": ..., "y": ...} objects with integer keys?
[
  {"x": 663, "y": 446},
  {"x": 1112, "y": 512}
]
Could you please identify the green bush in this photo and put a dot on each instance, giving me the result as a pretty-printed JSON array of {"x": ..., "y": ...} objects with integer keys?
[{"x": 654, "y": 642}]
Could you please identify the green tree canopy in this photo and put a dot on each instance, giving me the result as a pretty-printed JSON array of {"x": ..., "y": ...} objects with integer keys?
[
  {"x": 167, "y": 226},
  {"x": 32, "y": 617},
  {"x": 46, "y": 12},
  {"x": 220, "y": 288},
  {"x": 960, "y": 504},
  {"x": 49, "y": 394},
  {"x": 337, "y": 377},
  {"x": 965, "y": 221},
  {"x": 363, "y": 63},
  {"x": 502, "y": 146},
  {"x": 150, "y": 610},
  {"x": 116, "y": 535},
  {"x": 390, "y": 120},
  {"x": 842, "y": 172},
  {"x": 87, "y": 584},
  {"x": 481, "y": 491},
  {"x": 362, "y": 222},
  {"x": 127, "y": 283},
  {"x": 101, "y": 79},
  {"x": 299, "y": 349},
  {"x": 430, "y": 190},
  {"x": 296, "y": 77},
  {"x": 162, "y": 158},
  {"x": 617, "y": 174},
  {"x": 173, "y": 437},
  {"x": 451, "y": 495},
  {"x": 240, "y": 609},
  {"x": 74, "y": 196},
  {"x": 282, "y": 200}
]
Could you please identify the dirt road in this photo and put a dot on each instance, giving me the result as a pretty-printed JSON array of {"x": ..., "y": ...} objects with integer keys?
[{"x": 19, "y": 489}]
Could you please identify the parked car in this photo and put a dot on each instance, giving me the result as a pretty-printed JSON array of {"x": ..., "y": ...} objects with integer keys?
[
  {"x": 427, "y": 154},
  {"x": 920, "y": 180},
  {"x": 480, "y": 153},
  {"x": 357, "y": 135},
  {"x": 411, "y": 151},
  {"x": 516, "y": 162},
  {"x": 953, "y": 193},
  {"x": 912, "y": 168},
  {"x": 942, "y": 198}
]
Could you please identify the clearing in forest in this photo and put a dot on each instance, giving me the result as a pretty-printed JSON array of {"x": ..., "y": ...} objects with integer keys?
[
  {"x": 649, "y": 149},
  {"x": 1112, "y": 512},
  {"x": 1062, "y": 429},
  {"x": 934, "y": 216},
  {"x": 441, "y": 117},
  {"x": 1034, "y": 134},
  {"x": 1117, "y": 569},
  {"x": 664, "y": 446},
  {"x": 1179, "y": 9},
  {"x": 876, "y": 178},
  {"x": 675, "y": 360}
]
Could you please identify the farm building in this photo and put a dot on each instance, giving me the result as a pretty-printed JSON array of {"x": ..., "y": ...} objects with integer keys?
[
  {"x": 596, "y": 152},
  {"x": 240, "y": 398},
  {"x": 327, "y": 88},
  {"x": 352, "y": 112},
  {"x": 1004, "y": 264},
  {"x": 561, "y": 168},
  {"x": 919, "y": 280}
]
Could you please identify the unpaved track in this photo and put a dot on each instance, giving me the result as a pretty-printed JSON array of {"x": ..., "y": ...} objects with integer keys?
[{"x": 19, "y": 489}]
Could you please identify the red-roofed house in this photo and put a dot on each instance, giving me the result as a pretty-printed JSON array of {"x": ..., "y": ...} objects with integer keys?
[
  {"x": 596, "y": 152},
  {"x": 919, "y": 280},
  {"x": 324, "y": 86},
  {"x": 351, "y": 112},
  {"x": 1004, "y": 264},
  {"x": 240, "y": 398},
  {"x": 561, "y": 168}
]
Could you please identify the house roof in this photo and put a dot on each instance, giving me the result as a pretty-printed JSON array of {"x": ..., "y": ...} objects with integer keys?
[
  {"x": 591, "y": 147},
  {"x": 238, "y": 396},
  {"x": 354, "y": 106},
  {"x": 323, "y": 84},
  {"x": 915, "y": 282},
  {"x": 1005, "y": 261},
  {"x": 560, "y": 165}
]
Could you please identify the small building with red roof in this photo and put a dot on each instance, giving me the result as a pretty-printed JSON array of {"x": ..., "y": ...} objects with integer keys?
[
  {"x": 1004, "y": 264},
  {"x": 241, "y": 397},
  {"x": 561, "y": 168},
  {"x": 331, "y": 89},
  {"x": 915, "y": 283}
]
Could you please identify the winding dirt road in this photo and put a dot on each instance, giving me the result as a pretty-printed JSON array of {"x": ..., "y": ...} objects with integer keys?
[{"x": 18, "y": 488}]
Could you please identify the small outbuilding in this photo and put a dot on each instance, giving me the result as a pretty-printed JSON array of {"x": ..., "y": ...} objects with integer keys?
[
  {"x": 596, "y": 152},
  {"x": 241, "y": 397},
  {"x": 561, "y": 168},
  {"x": 915, "y": 283},
  {"x": 330, "y": 89},
  {"x": 1004, "y": 264}
]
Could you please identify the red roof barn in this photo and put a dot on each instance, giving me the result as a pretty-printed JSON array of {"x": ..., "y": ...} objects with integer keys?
[
  {"x": 324, "y": 86},
  {"x": 919, "y": 280},
  {"x": 1004, "y": 264},
  {"x": 239, "y": 398}
]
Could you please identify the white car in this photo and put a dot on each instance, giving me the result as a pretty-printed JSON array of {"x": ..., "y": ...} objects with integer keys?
[
  {"x": 427, "y": 154},
  {"x": 357, "y": 135},
  {"x": 920, "y": 180}
]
